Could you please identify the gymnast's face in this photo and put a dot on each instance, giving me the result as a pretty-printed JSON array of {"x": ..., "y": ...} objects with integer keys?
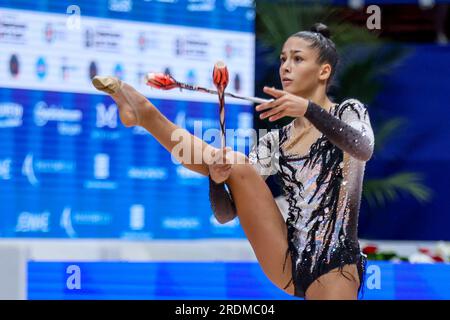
[{"x": 300, "y": 72}]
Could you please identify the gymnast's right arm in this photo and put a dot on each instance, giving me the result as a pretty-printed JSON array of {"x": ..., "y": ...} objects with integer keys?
[
  {"x": 221, "y": 201},
  {"x": 220, "y": 198}
]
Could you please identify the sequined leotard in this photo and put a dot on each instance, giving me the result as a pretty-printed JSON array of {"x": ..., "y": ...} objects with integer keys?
[{"x": 323, "y": 188}]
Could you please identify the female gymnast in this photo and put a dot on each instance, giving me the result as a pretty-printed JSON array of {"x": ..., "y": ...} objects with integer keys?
[{"x": 320, "y": 157}]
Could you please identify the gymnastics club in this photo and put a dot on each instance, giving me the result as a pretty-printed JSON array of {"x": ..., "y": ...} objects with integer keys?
[
  {"x": 220, "y": 79},
  {"x": 167, "y": 82}
]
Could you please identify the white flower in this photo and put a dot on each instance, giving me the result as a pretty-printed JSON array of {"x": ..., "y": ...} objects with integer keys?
[
  {"x": 419, "y": 257},
  {"x": 443, "y": 250}
]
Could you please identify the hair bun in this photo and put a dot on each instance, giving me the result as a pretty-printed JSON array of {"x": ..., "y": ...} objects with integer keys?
[{"x": 322, "y": 29}]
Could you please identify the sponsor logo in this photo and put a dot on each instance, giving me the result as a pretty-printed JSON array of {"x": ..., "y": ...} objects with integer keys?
[
  {"x": 33, "y": 222},
  {"x": 31, "y": 166},
  {"x": 232, "y": 5},
  {"x": 54, "y": 32},
  {"x": 232, "y": 50},
  {"x": 70, "y": 219},
  {"x": 181, "y": 223},
  {"x": 191, "y": 77},
  {"x": 101, "y": 166},
  {"x": 12, "y": 30},
  {"x": 195, "y": 48},
  {"x": 67, "y": 118},
  {"x": 137, "y": 217},
  {"x": 118, "y": 71},
  {"x": 14, "y": 66},
  {"x": 147, "y": 173},
  {"x": 146, "y": 42},
  {"x": 11, "y": 115},
  {"x": 106, "y": 116},
  {"x": 167, "y": 71},
  {"x": 101, "y": 172},
  {"x": 66, "y": 69},
  {"x": 103, "y": 38},
  {"x": 120, "y": 5},
  {"x": 41, "y": 68},
  {"x": 237, "y": 83},
  {"x": 92, "y": 69},
  {"x": 5, "y": 169},
  {"x": 201, "y": 5},
  {"x": 140, "y": 74}
]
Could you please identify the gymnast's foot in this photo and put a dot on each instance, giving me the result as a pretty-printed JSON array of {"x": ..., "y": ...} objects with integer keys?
[{"x": 128, "y": 113}]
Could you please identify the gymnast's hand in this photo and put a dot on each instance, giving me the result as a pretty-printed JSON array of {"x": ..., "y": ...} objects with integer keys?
[
  {"x": 220, "y": 169},
  {"x": 285, "y": 105}
]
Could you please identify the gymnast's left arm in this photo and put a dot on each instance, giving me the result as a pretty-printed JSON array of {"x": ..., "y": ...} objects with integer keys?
[{"x": 351, "y": 132}]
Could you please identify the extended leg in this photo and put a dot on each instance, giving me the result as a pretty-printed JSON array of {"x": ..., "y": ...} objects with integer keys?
[
  {"x": 259, "y": 215},
  {"x": 135, "y": 109}
]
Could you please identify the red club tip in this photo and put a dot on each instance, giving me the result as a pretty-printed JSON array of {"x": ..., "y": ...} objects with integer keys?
[
  {"x": 160, "y": 81},
  {"x": 220, "y": 75}
]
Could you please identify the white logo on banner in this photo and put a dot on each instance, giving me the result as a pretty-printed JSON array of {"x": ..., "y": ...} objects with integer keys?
[
  {"x": 44, "y": 166},
  {"x": 69, "y": 219},
  {"x": 44, "y": 113},
  {"x": 101, "y": 174},
  {"x": 11, "y": 115},
  {"x": 181, "y": 223},
  {"x": 190, "y": 47},
  {"x": 120, "y": 5},
  {"x": 147, "y": 173},
  {"x": 5, "y": 169},
  {"x": 201, "y": 5},
  {"x": 232, "y": 5},
  {"x": 66, "y": 222},
  {"x": 28, "y": 170},
  {"x": 106, "y": 116},
  {"x": 137, "y": 217},
  {"x": 33, "y": 222},
  {"x": 101, "y": 166}
]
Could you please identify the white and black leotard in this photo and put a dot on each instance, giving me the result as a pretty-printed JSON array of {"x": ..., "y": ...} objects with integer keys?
[{"x": 322, "y": 187}]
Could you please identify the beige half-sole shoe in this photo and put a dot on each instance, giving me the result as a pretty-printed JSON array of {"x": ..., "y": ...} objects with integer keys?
[{"x": 109, "y": 85}]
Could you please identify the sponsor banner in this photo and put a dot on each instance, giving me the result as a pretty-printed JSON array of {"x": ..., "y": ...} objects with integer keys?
[
  {"x": 106, "y": 181},
  {"x": 233, "y": 15},
  {"x": 38, "y": 51}
]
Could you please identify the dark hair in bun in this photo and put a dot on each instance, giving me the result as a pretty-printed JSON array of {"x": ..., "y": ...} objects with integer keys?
[
  {"x": 319, "y": 37},
  {"x": 322, "y": 29}
]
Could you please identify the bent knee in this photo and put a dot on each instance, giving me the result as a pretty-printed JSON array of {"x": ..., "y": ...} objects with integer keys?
[{"x": 242, "y": 168}]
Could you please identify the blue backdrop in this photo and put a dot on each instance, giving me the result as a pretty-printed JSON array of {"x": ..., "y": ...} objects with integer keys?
[
  {"x": 224, "y": 281},
  {"x": 418, "y": 91}
]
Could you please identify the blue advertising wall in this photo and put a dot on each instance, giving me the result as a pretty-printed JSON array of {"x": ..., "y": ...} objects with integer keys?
[
  {"x": 224, "y": 281},
  {"x": 68, "y": 167}
]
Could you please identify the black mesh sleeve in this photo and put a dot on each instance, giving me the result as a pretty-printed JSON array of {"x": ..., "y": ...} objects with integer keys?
[
  {"x": 348, "y": 138},
  {"x": 222, "y": 202}
]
